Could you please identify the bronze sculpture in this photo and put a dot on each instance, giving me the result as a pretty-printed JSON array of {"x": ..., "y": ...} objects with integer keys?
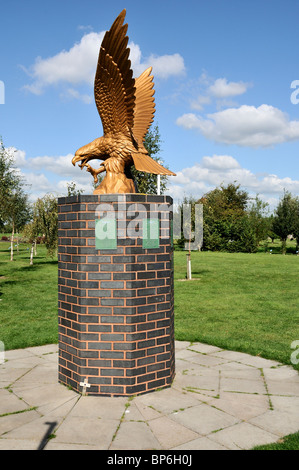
[{"x": 126, "y": 107}]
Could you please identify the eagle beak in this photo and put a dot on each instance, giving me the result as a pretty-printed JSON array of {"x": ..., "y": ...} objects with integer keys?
[{"x": 78, "y": 158}]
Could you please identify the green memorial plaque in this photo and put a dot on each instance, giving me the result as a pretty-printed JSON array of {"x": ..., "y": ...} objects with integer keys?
[
  {"x": 105, "y": 234},
  {"x": 150, "y": 229}
]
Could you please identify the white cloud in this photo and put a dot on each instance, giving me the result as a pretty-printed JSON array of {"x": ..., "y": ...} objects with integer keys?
[
  {"x": 245, "y": 126},
  {"x": 219, "y": 162},
  {"x": 77, "y": 65},
  {"x": 166, "y": 66},
  {"x": 221, "y": 88},
  {"x": 207, "y": 90},
  {"x": 50, "y": 174},
  {"x": 163, "y": 66},
  {"x": 214, "y": 170},
  {"x": 71, "y": 93},
  {"x": 199, "y": 102}
]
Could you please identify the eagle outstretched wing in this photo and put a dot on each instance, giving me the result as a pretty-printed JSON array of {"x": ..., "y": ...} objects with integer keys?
[
  {"x": 143, "y": 117},
  {"x": 144, "y": 105},
  {"x": 125, "y": 105},
  {"x": 114, "y": 85}
]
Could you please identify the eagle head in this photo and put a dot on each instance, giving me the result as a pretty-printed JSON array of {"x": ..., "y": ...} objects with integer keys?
[{"x": 88, "y": 152}]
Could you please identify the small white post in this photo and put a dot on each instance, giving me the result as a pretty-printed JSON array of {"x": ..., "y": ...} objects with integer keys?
[
  {"x": 158, "y": 185},
  {"x": 189, "y": 272}
]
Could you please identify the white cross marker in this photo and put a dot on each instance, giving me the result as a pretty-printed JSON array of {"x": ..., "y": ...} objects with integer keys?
[{"x": 84, "y": 385}]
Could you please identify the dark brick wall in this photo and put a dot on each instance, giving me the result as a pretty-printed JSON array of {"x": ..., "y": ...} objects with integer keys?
[{"x": 116, "y": 320}]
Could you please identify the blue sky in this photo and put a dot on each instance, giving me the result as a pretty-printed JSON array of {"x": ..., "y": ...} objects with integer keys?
[{"x": 223, "y": 74}]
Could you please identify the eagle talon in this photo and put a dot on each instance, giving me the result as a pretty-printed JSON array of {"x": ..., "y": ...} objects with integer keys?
[{"x": 92, "y": 171}]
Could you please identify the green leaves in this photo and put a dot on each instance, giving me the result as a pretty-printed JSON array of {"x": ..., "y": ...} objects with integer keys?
[{"x": 147, "y": 182}]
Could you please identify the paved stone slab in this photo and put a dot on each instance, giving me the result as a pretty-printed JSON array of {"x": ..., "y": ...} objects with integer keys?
[
  {"x": 100, "y": 407},
  {"x": 243, "y": 385},
  {"x": 207, "y": 360},
  {"x": 36, "y": 430},
  {"x": 147, "y": 411},
  {"x": 135, "y": 436},
  {"x": 43, "y": 350},
  {"x": 45, "y": 373},
  {"x": 281, "y": 373},
  {"x": 16, "y": 420},
  {"x": 204, "y": 419},
  {"x": 170, "y": 433},
  {"x": 10, "y": 375},
  {"x": 59, "y": 409},
  {"x": 181, "y": 345},
  {"x": 9, "y": 403},
  {"x": 18, "y": 444},
  {"x": 202, "y": 443},
  {"x": 168, "y": 401},
  {"x": 242, "y": 436},
  {"x": 281, "y": 423},
  {"x": 54, "y": 445},
  {"x": 45, "y": 394},
  {"x": 283, "y": 387},
  {"x": 242, "y": 405},
  {"x": 284, "y": 403},
  {"x": 218, "y": 400},
  {"x": 92, "y": 431},
  {"x": 247, "y": 359},
  {"x": 204, "y": 348}
]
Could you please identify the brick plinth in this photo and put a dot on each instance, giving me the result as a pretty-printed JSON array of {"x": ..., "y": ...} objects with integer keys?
[{"x": 116, "y": 321}]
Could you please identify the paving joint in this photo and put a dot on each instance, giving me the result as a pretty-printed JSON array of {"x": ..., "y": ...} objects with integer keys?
[{"x": 219, "y": 400}]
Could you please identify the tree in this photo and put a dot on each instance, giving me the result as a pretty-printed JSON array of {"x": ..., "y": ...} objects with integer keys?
[
  {"x": 8, "y": 179},
  {"x": 285, "y": 215},
  {"x": 18, "y": 213},
  {"x": 72, "y": 189},
  {"x": 46, "y": 221},
  {"x": 185, "y": 216},
  {"x": 296, "y": 223},
  {"x": 270, "y": 231},
  {"x": 258, "y": 215},
  {"x": 147, "y": 182},
  {"x": 226, "y": 224},
  {"x": 14, "y": 205}
]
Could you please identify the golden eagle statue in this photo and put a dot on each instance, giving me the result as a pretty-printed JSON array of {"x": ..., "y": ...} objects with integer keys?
[{"x": 126, "y": 107}]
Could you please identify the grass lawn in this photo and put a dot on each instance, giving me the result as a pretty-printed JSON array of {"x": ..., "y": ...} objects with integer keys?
[
  {"x": 290, "y": 442},
  {"x": 28, "y": 298},
  {"x": 243, "y": 302},
  {"x": 239, "y": 301}
]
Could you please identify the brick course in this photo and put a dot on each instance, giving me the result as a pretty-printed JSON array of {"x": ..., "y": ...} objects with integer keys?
[{"x": 116, "y": 320}]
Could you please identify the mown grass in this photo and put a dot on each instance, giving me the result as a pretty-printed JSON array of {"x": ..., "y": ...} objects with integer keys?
[
  {"x": 243, "y": 302},
  {"x": 28, "y": 298},
  {"x": 237, "y": 301},
  {"x": 290, "y": 442}
]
